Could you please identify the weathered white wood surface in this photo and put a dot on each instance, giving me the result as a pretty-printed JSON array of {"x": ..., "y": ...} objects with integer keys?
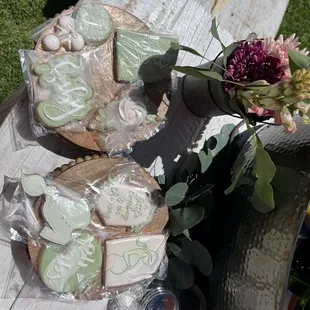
[{"x": 190, "y": 20}]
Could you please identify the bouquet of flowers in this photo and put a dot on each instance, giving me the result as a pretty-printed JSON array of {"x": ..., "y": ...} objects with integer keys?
[{"x": 269, "y": 78}]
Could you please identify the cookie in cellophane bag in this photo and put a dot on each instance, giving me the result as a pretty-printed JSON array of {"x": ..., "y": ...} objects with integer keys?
[{"x": 94, "y": 229}]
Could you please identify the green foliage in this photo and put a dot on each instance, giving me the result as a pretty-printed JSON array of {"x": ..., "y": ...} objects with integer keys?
[
  {"x": 200, "y": 73},
  {"x": 297, "y": 61},
  {"x": 176, "y": 194},
  {"x": 180, "y": 274},
  {"x": 191, "y": 253},
  {"x": 190, "y": 203},
  {"x": 179, "y": 47},
  {"x": 237, "y": 174},
  {"x": 265, "y": 170},
  {"x": 185, "y": 218},
  {"x": 205, "y": 160},
  {"x": 215, "y": 33},
  {"x": 17, "y": 19}
]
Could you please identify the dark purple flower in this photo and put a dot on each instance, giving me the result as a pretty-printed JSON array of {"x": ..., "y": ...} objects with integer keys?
[{"x": 249, "y": 63}]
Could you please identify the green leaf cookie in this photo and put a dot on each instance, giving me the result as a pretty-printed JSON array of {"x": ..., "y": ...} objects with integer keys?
[{"x": 70, "y": 267}]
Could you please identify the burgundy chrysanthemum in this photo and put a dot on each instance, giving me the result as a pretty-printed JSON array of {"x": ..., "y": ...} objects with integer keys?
[{"x": 249, "y": 63}]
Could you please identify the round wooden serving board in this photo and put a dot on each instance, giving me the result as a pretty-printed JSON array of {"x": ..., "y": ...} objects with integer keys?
[
  {"x": 92, "y": 169},
  {"x": 106, "y": 86}
]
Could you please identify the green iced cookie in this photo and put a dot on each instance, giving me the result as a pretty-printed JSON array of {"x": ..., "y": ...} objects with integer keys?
[
  {"x": 66, "y": 65},
  {"x": 148, "y": 55},
  {"x": 93, "y": 22},
  {"x": 70, "y": 267},
  {"x": 70, "y": 100}
]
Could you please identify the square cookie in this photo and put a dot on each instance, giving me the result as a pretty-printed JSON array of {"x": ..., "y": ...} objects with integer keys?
[
  {"x": 133, "y": 259},
  {"x": 145, "y": 55}
]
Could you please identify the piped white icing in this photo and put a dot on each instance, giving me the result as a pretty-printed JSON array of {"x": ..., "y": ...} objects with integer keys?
[
  {"x": 133, "y": 259},
  {"x": 125, "y": 205}
]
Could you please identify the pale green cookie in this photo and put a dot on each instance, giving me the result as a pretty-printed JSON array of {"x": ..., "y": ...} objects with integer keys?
[
  {"x": 70, "y": 100},
  {"x": 93, "y": 22},
  {"x": 59, "y": 67},
  {"x": 148, "y": 55},
  {"x": 71, "y": 267}
]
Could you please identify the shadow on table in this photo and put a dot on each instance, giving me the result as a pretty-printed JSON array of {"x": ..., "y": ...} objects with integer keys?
[
  {"x": 53, "y": 7},
  {"x": 172, "y": 142}
]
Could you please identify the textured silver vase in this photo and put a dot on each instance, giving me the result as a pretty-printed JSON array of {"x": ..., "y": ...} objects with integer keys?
[{"x": 253, "y": 251}]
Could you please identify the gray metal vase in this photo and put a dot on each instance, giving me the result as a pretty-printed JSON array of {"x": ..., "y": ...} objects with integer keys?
[
  {"x": 254, "y": 251},
  {"x": 205, "y": 98}
]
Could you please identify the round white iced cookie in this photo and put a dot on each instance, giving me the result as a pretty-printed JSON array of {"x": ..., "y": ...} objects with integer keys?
[
  {"x": 51, "y": 42},
  {"x": 70, "y": 267},
  {"x": 124, "y": 205},
  {"x": 93, "y": 22}
]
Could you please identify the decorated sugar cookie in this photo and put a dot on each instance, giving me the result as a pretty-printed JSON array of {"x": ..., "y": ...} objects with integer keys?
[
  {"x": 70, "y": 100},
  {"x": 121, "y": 114},
  {"x": 144, "y": 54},
  {"x": 70, "y": 96},
  {"x": 58, "y": 67},
  {"x": 71, "y": 267},
  {"x": 62, "y": 215},
  {"x": 130, "y": 260},
  {"x": 93, "y": 22},
  {"x": 125, "y": 205}
]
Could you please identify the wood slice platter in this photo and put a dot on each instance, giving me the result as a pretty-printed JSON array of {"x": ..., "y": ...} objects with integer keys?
[
  {"x": 75, "y": 176},
  {"x": 106, "y": 87}
]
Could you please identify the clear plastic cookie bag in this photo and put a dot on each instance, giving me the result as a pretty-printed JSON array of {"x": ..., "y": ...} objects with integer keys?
[
  {"x": 130, "y": 117},
  {"x": 75, "y": 225},
  {"x": 60, "y": 90}
]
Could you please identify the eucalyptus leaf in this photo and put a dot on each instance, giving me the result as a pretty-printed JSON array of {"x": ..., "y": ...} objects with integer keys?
[
  {"x": 200, "y": 192},
  {"x": 186, "y": 233},
  {"x": 264, "y": 167},
  {"x": 176, "y": 194},
  {"x": 161, "y": 179},
  {"x": 201, "y": 259},
  {"x": 179, "y": 47},
  {"x": 185, "y": 218},
  {"x": 174, "y": 248},
  {"x": 200, "y": 73},
  {"x": 297, "y": 61},
  {"x": 215, "y": 33},
  {"x": 228, "y": 50},
  {"x": 205, "y": 160},
  {"x": 237, "y": 174},
  {"x": 194, "y": 253},
  {"x": 180, "y": 274},
  {"x": 262, "y": 199},
  {"x": 228, "y": 129},
  {"x": 220, "y": 141}
]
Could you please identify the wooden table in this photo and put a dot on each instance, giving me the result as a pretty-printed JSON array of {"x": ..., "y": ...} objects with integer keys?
[{"x": 191, "y": 21}]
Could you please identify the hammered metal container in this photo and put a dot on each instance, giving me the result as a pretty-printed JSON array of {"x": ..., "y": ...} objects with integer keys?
[{"x": 253, "y": 251}]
